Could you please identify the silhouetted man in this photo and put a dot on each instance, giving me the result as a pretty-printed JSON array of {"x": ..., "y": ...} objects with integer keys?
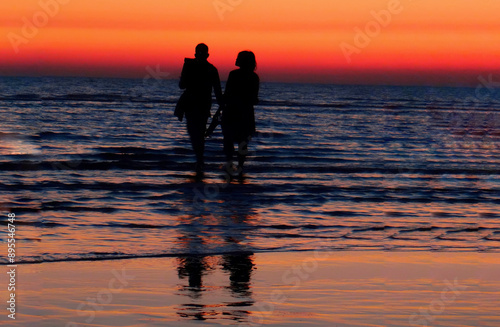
[{"x": 198, "y": 78}]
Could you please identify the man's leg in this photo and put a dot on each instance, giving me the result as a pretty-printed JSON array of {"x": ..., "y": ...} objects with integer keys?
[{"x": 196, "y": 127}]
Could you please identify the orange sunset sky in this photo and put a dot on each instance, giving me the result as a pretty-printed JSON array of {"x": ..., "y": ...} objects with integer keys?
[{"x": 445, "y": 42}]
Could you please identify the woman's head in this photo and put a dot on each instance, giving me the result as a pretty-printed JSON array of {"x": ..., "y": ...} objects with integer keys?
[{"x": 246, "y": 60}]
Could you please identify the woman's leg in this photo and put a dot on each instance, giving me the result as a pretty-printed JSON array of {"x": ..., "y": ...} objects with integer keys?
[
  {"x": 196, "y": 126},
  {"x": 228, "y": 148},
  {"x": 227, "y": 131},
  {"x": 242, "y": 152}
]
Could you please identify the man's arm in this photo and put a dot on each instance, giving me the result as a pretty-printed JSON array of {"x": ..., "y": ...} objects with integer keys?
[{"x": 184, "y": 75}]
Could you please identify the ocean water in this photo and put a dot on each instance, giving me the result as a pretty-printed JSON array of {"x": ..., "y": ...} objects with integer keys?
[{"x": 101, "y": 169}]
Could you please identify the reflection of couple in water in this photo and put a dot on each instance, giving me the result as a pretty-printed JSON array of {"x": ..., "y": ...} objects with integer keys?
[
  {"x": 198, "y": 79},
  {"x": 204, "y": 297}
]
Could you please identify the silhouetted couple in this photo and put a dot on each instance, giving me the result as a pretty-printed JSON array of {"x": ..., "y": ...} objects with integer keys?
[{"x": 199, "y": 78}]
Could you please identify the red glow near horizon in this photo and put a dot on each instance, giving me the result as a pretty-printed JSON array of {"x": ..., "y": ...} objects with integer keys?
[{"x": 446, "y": 43}]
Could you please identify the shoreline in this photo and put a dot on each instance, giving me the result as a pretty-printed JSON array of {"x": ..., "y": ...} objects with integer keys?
[
  {"x": 339, "y": 250},
  {"x": 342, "y": 288}
]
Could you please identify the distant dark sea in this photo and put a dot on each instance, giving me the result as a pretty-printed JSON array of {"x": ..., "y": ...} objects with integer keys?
[{"x": 101, "y": 169}]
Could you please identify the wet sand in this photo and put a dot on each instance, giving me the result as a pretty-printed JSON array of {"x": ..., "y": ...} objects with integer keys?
[{"x": 340, "y": 289}]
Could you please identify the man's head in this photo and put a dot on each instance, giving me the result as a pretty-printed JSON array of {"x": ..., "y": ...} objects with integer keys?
[{"x": 201, "y": 51}]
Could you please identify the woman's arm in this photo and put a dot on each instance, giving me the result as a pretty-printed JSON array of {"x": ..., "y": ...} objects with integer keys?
[
  {"x": 256, "y": 89},
  {"x": 228, "y": 93},
  {"x": 183, "y": 82}
]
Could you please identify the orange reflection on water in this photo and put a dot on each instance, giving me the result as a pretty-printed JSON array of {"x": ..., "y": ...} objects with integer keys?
[{"x": 18, "y": 147}]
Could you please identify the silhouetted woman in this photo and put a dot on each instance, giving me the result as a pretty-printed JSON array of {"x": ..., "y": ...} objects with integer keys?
[{"x": 238, "y": 116}]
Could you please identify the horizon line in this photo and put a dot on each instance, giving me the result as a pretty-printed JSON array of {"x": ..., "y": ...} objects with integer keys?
[{"x": 262, "y": 81}]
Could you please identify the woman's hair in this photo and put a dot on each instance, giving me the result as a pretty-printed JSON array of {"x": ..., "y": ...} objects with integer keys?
[{"x": 246, "y": 60}]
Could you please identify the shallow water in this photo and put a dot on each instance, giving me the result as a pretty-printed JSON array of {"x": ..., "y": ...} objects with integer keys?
[{"x": 101, "y": 169}]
